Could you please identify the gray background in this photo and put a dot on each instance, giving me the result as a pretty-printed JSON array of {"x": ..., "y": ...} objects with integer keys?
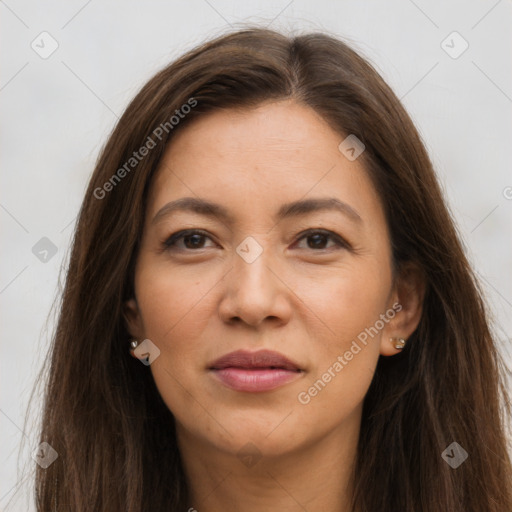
[{"x": 57, "y": 112}]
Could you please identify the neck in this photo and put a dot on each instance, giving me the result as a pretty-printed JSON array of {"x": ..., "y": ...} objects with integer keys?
[{"x": 313, "y": 477}]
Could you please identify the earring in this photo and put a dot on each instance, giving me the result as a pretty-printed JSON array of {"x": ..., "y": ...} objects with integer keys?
[
  {"x": 133, "y": 346},
  {"x": 398, "y": 343}
]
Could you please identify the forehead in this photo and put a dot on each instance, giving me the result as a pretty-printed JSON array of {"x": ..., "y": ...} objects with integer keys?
[{"x": 263, "y": 157}]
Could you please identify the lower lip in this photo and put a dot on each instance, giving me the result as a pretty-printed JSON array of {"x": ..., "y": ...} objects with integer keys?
[{"x": 258, "y": 379}]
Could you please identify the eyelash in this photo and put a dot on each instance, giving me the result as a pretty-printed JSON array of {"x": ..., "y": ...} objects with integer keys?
[{"x": 170, "y": 242}]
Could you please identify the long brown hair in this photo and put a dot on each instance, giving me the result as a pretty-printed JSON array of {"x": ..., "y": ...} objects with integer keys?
[{"x": 102, "y": 411}]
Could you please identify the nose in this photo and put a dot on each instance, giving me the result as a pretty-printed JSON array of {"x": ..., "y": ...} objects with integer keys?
[{"x": 255, "y": 293}]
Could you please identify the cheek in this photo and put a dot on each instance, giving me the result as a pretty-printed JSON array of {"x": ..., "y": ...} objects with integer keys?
[
  {"x": 350, "y": 308},
  {"x": 347, "y": 301},
  {"x": 176, "y": 310},
  {"x": 173, "y": 301}
]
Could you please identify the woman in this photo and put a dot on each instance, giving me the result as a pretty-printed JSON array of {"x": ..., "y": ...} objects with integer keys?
[{"x": 265, "y": 236}]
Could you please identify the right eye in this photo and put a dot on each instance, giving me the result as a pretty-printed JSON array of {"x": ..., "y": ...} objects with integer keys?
[{"x": 191, "y": 238}]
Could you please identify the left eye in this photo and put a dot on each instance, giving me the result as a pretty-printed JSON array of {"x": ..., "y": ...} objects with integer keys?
[{"x": 319, "y": 240}]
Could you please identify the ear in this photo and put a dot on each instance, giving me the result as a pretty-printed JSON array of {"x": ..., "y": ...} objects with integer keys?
[
  {"x": 406, "y": 300},
  {"x": 133, "y": 319}
]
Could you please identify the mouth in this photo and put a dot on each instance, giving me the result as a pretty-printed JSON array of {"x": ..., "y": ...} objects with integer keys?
[{"x": 254, "y": 371}]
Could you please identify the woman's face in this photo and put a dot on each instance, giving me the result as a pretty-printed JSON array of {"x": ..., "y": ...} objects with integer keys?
[{"x": 291, "y": 254}]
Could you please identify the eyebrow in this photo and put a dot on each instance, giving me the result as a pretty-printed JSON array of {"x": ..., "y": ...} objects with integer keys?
[{"x": 293, "y": 209}]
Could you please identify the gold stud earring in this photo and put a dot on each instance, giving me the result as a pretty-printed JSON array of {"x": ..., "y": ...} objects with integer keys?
[{"x": 398, "y": 343}]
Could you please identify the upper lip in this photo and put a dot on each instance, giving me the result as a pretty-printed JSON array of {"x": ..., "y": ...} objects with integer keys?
[{"x": 260, "y": 359}]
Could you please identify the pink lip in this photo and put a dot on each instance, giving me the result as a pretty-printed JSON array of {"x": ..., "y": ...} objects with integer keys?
[
  {"x": 257, "y": 379},
  {"x": 254, "y": 371}
]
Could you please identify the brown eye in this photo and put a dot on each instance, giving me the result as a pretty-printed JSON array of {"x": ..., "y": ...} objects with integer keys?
[
  {"x": 186, "y": 240},
  {"x": 319, "y": 240},
  {"x": 194, "y": 241}
]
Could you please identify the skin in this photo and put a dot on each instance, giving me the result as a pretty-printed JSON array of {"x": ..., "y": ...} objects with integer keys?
[{"x": 306, "y": 298}]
